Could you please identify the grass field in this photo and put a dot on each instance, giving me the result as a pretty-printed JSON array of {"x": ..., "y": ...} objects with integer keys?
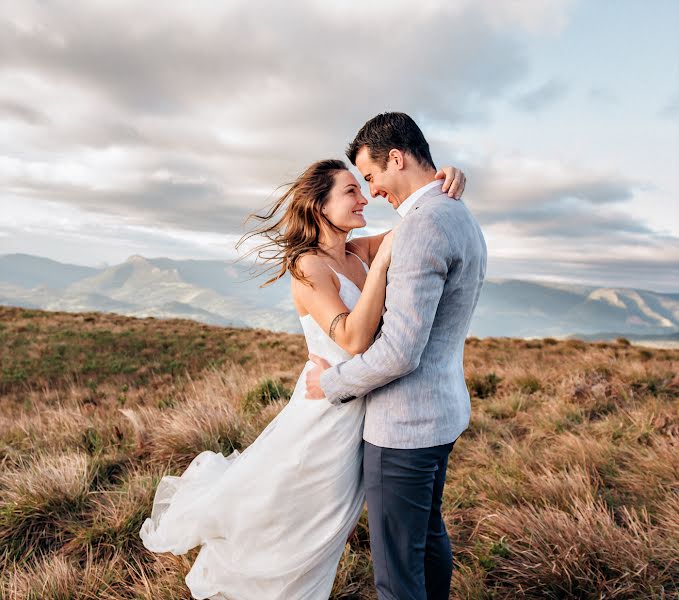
[{"x": 566, "y": 484}]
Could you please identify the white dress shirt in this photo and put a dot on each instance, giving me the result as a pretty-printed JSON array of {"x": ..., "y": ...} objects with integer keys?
[{"x": 407, "y": 204}]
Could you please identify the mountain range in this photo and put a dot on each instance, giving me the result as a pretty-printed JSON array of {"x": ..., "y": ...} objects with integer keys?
[{"x": 226, "y": 293}]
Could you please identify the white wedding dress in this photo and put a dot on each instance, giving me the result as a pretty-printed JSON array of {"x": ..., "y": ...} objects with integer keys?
[{"x": 273, "y": 520}]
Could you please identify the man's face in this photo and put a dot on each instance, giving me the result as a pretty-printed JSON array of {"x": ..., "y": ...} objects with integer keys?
[{"x": 382, "y": 182}]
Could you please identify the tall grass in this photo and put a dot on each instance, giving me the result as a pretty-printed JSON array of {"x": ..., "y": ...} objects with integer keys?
[
  {"x": 565, "y": 485},
  {"x": 39, "y": 501}
]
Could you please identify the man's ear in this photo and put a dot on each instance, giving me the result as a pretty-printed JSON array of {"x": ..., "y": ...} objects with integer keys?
[{"x": 397, "y": 157}]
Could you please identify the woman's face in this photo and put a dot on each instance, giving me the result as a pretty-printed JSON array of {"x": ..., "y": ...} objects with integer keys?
[{"x": 344, "y": 207}]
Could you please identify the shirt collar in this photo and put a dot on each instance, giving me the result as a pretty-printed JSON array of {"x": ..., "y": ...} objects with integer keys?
[{"x": 407, "y": 204}]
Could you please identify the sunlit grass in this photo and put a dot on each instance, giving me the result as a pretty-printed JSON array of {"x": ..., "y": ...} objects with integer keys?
[{"x": 565, "y": 485}]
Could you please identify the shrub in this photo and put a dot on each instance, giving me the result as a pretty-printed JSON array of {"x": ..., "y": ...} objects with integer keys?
[
  {"x": 265, "y": 393},
  {"x": 483, "y": 386},
  {"x": 657, "y": 385},
  {"x": 528, "y": 384},
  {"x": 576, "y": 344}
]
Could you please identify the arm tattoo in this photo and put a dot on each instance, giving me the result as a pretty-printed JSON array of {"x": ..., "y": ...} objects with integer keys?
[{"x": 336, "y": 320}]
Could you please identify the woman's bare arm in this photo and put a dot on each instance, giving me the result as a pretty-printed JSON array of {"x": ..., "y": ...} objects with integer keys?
[{"x": 353, "y": 330}]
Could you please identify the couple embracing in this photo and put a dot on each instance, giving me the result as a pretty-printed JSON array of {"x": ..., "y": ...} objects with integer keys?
[{"x": 376, "y": 410}]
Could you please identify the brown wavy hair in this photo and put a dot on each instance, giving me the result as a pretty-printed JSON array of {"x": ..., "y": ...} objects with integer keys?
[{"x": 292, "y": 225}]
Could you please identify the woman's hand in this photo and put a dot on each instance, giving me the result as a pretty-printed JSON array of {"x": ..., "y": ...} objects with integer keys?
[
  {"x": 454, "y": 181},
  {"x": 383, "y": 257}
]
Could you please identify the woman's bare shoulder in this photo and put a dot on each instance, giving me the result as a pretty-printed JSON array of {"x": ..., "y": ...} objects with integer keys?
[
  {"x": 310, "y": 264},
  {"x": 315, "y": 271},
  {"x": 318, "y": 279}
]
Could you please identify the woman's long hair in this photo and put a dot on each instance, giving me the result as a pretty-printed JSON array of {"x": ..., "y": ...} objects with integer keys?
[{"x": 292, "y": 225}]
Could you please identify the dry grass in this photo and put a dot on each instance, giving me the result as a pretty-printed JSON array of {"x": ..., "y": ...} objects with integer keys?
[
  {"x": 579, "y": 551},
  {"x": 39, "y": 501},
  {"x": 566, "y": 484},
  {"x": 57, "y": 576}
]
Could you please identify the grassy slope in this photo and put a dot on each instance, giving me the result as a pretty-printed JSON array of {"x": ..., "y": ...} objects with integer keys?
[{"x": 565, "y": 485}]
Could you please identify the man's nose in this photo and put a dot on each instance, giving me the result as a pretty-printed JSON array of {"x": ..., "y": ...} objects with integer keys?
[{"x": 373, "y": 191}]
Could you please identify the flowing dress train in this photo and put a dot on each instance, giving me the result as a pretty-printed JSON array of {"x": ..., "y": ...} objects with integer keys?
[{"x": 272, "y": 521}]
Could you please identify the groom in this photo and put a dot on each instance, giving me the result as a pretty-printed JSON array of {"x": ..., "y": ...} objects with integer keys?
[{"x": 417, "y": 402}]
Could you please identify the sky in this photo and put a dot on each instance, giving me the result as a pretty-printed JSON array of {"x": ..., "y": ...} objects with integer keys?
[{"x": 156, "y": 128}]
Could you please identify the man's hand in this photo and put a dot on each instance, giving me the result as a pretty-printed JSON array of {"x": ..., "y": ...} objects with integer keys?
[
  {"x": 313, "y": 378},
  {"x": 454, "y": 181}
]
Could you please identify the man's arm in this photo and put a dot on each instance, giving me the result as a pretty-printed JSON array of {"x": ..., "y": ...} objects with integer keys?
[{"x": 420, "y": 262}]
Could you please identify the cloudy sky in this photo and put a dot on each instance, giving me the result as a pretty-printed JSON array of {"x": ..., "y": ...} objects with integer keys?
[{"x": 154, "y": 128}]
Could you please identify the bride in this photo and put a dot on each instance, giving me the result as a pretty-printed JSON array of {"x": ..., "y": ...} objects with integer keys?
[{"x": 272, "y": 521}]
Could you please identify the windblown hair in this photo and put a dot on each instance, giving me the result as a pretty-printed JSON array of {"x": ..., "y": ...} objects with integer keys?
[
  {"x": 292, "y": 225},
  {"x": 387, "y": 131}
]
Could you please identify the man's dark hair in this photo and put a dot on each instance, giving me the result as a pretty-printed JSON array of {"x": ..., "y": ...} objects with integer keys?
[{"x": 388, "y": 131}]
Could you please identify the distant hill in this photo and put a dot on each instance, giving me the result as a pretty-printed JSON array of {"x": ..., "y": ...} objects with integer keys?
[
  {"x": 224, "y": 293},
  {"x": 213, "y": 292},
  {"x": 525, "y": 309},
  {"x": 27, "y": 272}
]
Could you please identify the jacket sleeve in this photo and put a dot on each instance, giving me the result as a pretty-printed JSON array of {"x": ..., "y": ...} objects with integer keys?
[{"x": 421, "y": 259}]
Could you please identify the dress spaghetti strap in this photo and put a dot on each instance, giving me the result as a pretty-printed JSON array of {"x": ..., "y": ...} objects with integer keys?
[{"x": 367, "y": 268}]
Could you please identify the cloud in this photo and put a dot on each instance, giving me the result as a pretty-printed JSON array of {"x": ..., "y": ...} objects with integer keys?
[
  {"x": 570, "y": 220},
  {"x": 19, "y": 111},
  {"x": 232, "y": 98},
  {"x": 73, "y": 235},
  {"x": 602, "y": 95},
  {"x": 543, "y": 216},
  {"x": 671, "y": 108},
  {"x": 655, "y": 275},
  {"x": 542, "y": 97},
  {"x": 243, "y": 59},
  {"x": 523, "y": 182},
  {"x": 185, "y": 119}
]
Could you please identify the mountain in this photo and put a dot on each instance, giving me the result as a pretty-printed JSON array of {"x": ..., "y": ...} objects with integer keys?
[
  {"x": 525, "y": 309},
  {"x": 225, "y": 293},
  {"x": 28, "y": 271},
  {"x": 214, "y": 292}
]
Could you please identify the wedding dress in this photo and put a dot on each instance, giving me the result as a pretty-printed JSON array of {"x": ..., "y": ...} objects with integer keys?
[{"x": 273, "y": 520}]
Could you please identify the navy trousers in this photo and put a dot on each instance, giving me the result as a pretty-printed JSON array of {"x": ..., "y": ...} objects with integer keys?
[{"x": 408, "y": 538}]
